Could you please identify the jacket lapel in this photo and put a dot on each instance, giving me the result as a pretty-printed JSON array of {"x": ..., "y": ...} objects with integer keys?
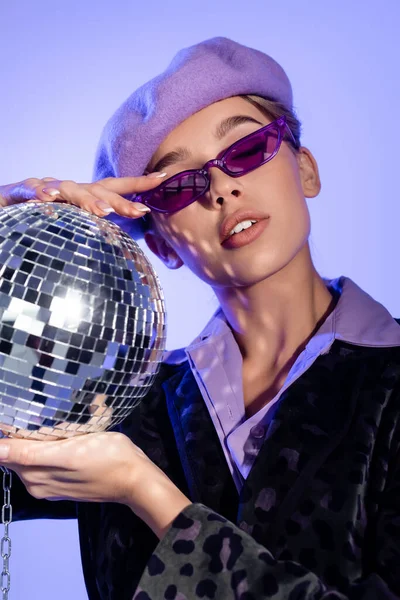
[
  {"x": 203, "y": 461},
  {"x": 305, "y": 449},
  {"x": 307, "y": 426}
]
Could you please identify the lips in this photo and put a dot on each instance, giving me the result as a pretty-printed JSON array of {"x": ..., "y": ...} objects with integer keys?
[{"x": 237, "y": 217}]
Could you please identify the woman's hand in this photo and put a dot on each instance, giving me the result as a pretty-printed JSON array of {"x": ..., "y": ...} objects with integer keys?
[
  {"x": 99, "y": 198},
  {"x": 96, "y": 467}
]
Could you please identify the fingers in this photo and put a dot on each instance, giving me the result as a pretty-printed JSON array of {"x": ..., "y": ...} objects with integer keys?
[
  {"x": 113, "y": 194},
  {"x": 63, "y": 454},
  {"x": 102, "y": 197},
  {"x": 108, "y": 201},
  {"x": 28, "y": 453},
  {"x": 126, "y": 186},
  {"x": 97, "y": 200},
  {"x": 17, "y": 453},
  {"x": 22, "y": 191},
  {"x": 109, "y": 193},
  {"x": 47, "y": 191}
]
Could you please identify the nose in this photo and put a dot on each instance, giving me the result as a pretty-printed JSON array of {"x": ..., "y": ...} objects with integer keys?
[{"x": 222, "y": 186}]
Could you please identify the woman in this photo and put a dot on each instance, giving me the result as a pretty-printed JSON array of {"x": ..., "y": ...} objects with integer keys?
[{"x": 265, "y": 461}]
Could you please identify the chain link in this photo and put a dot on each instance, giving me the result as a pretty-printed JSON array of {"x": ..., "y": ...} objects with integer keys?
[{"x": 6, "y": 518}]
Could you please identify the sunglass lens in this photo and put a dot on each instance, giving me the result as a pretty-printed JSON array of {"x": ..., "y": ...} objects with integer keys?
[
  {"x": 178, "y": 192},
  {"x": 252, "y": 152}
]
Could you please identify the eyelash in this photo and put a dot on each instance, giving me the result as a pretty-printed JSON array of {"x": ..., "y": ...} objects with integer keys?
[{"x": 165, "y": 166}]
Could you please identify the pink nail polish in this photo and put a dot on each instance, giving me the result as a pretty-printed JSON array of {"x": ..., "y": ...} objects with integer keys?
[
  {"x": 105, "y": 207},
  {"x": 156, "y": 175},
  {"x": 51, "y": 192}
]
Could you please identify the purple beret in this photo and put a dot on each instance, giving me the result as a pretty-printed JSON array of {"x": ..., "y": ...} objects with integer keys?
[{"x": 197, "y": 76}]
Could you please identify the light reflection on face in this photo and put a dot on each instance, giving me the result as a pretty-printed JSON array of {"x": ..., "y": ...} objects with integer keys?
[{"x": 276, "y": 189}]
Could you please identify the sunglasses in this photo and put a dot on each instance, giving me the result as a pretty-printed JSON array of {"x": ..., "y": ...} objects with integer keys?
[{"x": 245, "y": 155}]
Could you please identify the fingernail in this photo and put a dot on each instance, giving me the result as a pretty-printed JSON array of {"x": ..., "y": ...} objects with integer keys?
[
  {"x": 51, "y": 191},
  {"x": 104, "y": 206},
  {"x": 4, "y": 451},
  {"x": 143, "y": 208},
  {"x": 156, "y": 175}
]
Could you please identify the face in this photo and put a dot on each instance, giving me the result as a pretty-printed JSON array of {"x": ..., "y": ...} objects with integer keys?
[{"x": 275, "y": 192}]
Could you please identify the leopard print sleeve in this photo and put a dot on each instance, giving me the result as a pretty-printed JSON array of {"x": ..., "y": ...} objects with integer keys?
[{"x": 205, "y": 556}]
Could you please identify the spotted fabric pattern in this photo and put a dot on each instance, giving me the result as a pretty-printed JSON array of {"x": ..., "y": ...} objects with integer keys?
[
  {"x": 319, "y": 513},
  {"x": 230, "y": 565}
]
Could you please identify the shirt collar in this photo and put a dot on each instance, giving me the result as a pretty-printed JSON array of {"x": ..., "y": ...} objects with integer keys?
[{"x": 356, "y": 319}]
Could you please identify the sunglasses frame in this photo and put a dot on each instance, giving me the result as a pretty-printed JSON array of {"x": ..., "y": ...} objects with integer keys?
[{"x": 280, "y": 124}]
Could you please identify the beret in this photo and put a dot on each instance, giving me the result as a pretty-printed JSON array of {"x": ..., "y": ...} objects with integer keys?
[{"x": 197, "y": 76}]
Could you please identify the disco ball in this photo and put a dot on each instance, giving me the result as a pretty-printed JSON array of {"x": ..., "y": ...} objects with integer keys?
[{"x": 82, "y": 322}]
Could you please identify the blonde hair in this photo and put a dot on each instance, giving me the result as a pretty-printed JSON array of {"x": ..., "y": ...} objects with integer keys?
[{"x": 273, "y": 110}]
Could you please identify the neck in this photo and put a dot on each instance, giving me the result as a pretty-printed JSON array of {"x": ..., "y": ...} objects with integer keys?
[{"x": 273, "y": 319}]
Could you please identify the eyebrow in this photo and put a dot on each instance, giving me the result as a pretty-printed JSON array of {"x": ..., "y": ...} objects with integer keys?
[{"x": 223, "y": 128}]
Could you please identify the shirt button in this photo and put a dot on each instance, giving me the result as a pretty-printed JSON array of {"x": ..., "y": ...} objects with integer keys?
[{"x": 258, "y": 431}]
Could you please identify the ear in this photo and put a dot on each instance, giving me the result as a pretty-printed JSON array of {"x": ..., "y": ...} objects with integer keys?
[
  {"x": 309, "y": 174},
  {"x": 160, "y": 247}
]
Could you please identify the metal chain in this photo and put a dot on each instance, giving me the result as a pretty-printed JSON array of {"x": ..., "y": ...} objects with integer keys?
[{"x": 6, "y": 518}]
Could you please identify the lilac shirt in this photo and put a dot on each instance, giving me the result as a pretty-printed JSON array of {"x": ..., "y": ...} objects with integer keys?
[{"x": 216, "y": 363}]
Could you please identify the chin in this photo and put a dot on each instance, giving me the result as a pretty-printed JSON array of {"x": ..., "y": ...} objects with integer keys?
[
  {"x": 242, "y": 278},
  {"x": 260, "y": 269},
  {"x": 247, "y": 269}
]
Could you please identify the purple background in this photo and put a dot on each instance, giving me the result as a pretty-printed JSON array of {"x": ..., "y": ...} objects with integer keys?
[{"x": 66, "y": 66}]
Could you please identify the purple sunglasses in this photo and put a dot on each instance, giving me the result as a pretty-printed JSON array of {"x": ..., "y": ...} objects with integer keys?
[{"x": 245, "y": 155}]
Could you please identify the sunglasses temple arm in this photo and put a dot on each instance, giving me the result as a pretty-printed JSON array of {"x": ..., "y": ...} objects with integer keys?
[{"x": 296, "y": 145}]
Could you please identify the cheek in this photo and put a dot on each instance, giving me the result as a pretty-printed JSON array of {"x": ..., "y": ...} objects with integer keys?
[
  {"x": 290, "y": 220},
  {"x": 187, "y": 232},
  {"x": 283, "y": 192},
  {"x": 280, "y": 178},
  {"x": 282, "y": 197}
]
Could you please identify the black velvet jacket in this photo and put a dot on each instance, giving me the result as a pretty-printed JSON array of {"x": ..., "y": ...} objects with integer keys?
[{"x": 319, "y": 514}]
